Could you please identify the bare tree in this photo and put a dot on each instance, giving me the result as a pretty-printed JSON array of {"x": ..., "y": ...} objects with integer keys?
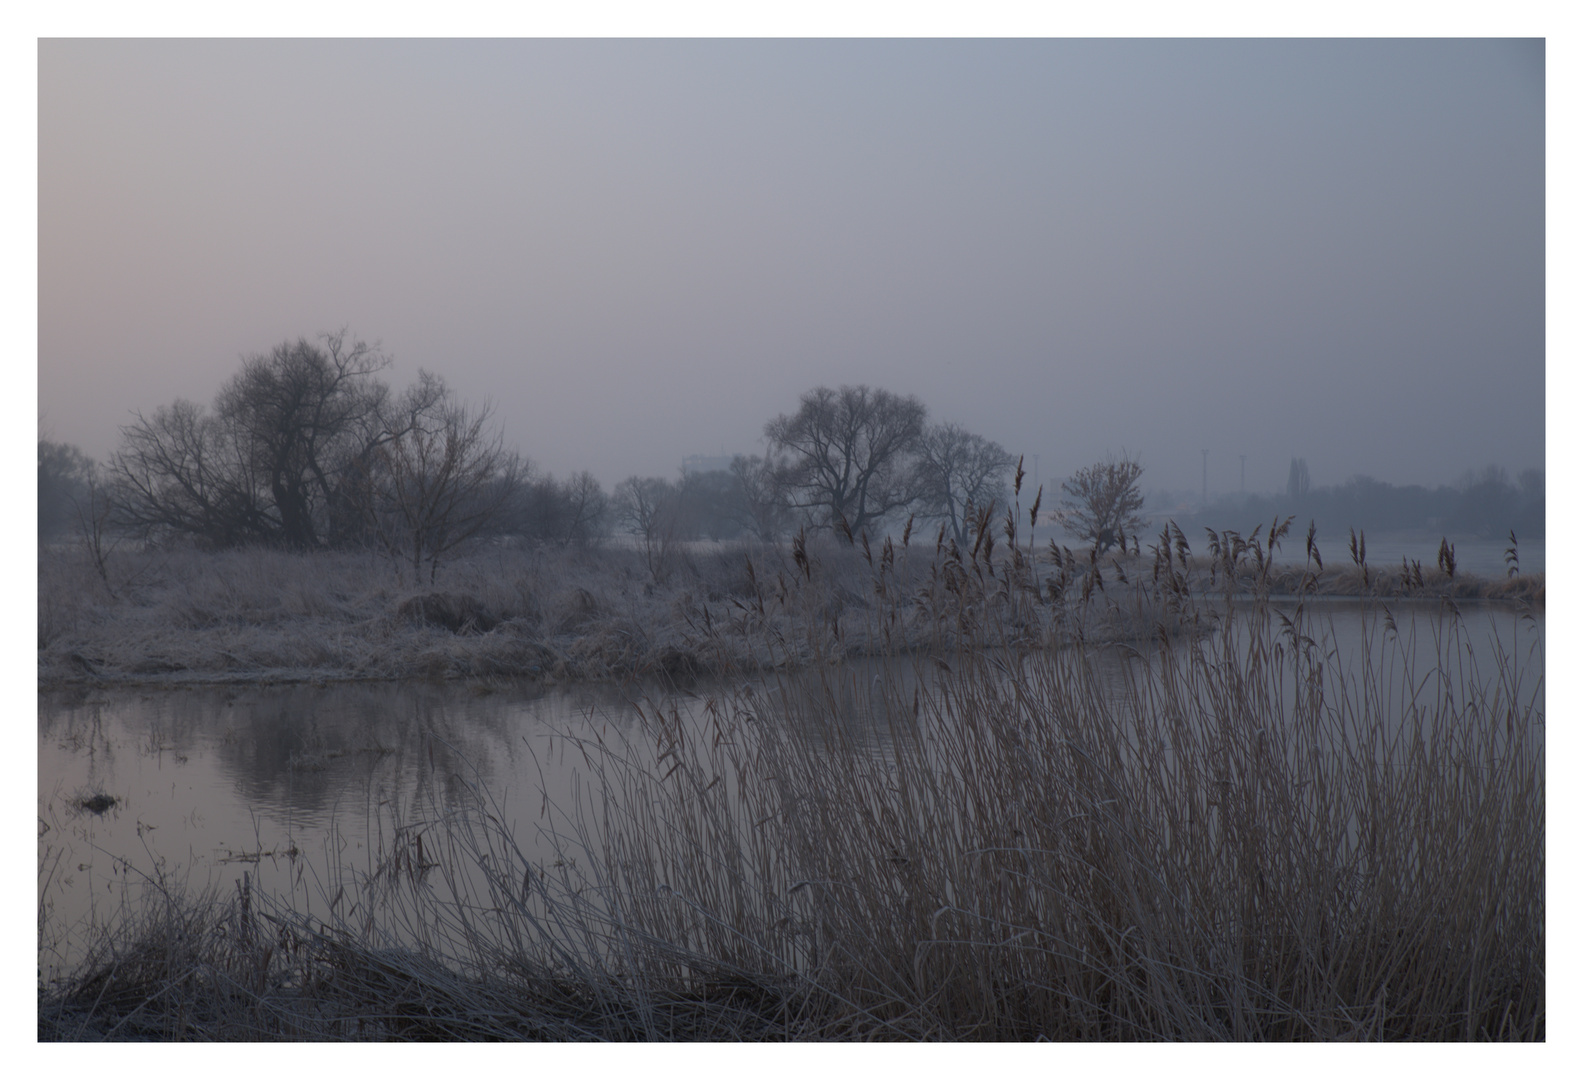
[
  {"x": 177, "y": 472},
  {"x": 583, "y": 510},
  {"x": 640, "y": 502},
  {"x": 64, "y": 473},
  {"x": 554, "y": 512},
  {"x": 72, "y": 494},
  {"x": 295, "y": 411},
  {"x": 648, "y": 506},
  {"x": 959, "y": 472},
  {"x": 96, "y": 527},
  {"x": 1103, "y": 503},
  {"x": 843, "y": 456},
  {"x": 349, "y": 493},
  {"x": 279, "y": 461},
  {"x": 440, "y": 479},
  {"x": 762, "y": 508}
]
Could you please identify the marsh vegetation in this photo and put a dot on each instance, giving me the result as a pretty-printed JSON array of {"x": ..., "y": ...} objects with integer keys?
[{"x": 1143, "y": 798}]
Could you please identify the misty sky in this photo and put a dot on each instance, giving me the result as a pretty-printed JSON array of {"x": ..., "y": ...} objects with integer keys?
[{"x": 639, "y": 251}]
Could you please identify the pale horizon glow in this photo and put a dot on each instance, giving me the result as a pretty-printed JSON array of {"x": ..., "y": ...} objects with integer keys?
[{"x": 639, "y": 251}]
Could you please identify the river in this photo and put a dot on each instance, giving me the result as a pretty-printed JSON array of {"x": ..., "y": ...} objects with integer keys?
[{"x": 280, "y": 783}]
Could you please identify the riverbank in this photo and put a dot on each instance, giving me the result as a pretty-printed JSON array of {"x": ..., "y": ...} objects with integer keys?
[
  {"x": 589, "y": 614},
  {"x": 1070, "y": 844}
]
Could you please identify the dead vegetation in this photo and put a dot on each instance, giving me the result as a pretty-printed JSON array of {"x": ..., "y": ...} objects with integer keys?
[
  {"x": 562, "y": 614},
  {"x": 1228, "y": 837}
]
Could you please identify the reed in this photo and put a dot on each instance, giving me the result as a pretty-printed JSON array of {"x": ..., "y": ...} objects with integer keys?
[
  {"x": 588, "y": 614},
  {"x": 1141, "y": 798},
  {"x": 1226, "y": 841}
]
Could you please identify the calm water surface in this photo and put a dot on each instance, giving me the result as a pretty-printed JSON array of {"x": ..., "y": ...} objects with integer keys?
[{"x": 279, "y": 782}]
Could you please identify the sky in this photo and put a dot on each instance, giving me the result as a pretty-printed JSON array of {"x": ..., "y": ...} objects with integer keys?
[{"x": 640, "y": 250}]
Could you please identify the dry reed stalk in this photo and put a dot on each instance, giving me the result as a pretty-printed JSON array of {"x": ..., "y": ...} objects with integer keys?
[{"x": 1224, "y": 835}]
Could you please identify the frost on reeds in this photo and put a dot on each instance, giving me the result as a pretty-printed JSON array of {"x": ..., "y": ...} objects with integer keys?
[
  {"x": 580, "y": 613},
  {"x": 1223, "y": 831},
  {"x": 1233, "y": 838},
  {"x": 559, "y": 614}
]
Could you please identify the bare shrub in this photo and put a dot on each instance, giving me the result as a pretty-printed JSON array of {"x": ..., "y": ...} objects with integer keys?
[
  {"x": 439, "y": 480},
  {"x": 1102, "y": 504}
]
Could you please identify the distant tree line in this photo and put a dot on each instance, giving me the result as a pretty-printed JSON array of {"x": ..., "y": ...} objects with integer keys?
[
  {"x": 1486, "y": 503},
  {"x": 846, "y": 461},
  {"x": 64, "y": 476},
  {"x": 307, "y": 448}
]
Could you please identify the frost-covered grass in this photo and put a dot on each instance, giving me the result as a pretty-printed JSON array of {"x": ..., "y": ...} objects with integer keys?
[
  {"x": 558, "y": 614},
  {"x": 601, "y": 613},
  {"x": 1234, "y": 838},
  {"x": 263, "y": 613}
]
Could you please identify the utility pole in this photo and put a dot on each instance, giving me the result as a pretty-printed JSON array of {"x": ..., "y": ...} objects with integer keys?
[
  {"x": 1206, "y": 477},
  {"x": 1242, "y": 487}
]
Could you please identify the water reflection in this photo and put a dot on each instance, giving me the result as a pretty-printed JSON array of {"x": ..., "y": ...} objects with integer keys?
[
  {"x": 280, "y": 782},
  {"x": 210, "y": 783}
]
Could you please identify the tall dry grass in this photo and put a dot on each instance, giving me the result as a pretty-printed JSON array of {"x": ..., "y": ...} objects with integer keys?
[
  {"x": 551, "y": 614},
  {"x": 1231, "y": 840},
  {"x": 575, "y": 613},
  {"x": 1216, "y": 830}
]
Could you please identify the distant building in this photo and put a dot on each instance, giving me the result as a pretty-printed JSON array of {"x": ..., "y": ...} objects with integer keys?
[{"x": 698, "y": 463}]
